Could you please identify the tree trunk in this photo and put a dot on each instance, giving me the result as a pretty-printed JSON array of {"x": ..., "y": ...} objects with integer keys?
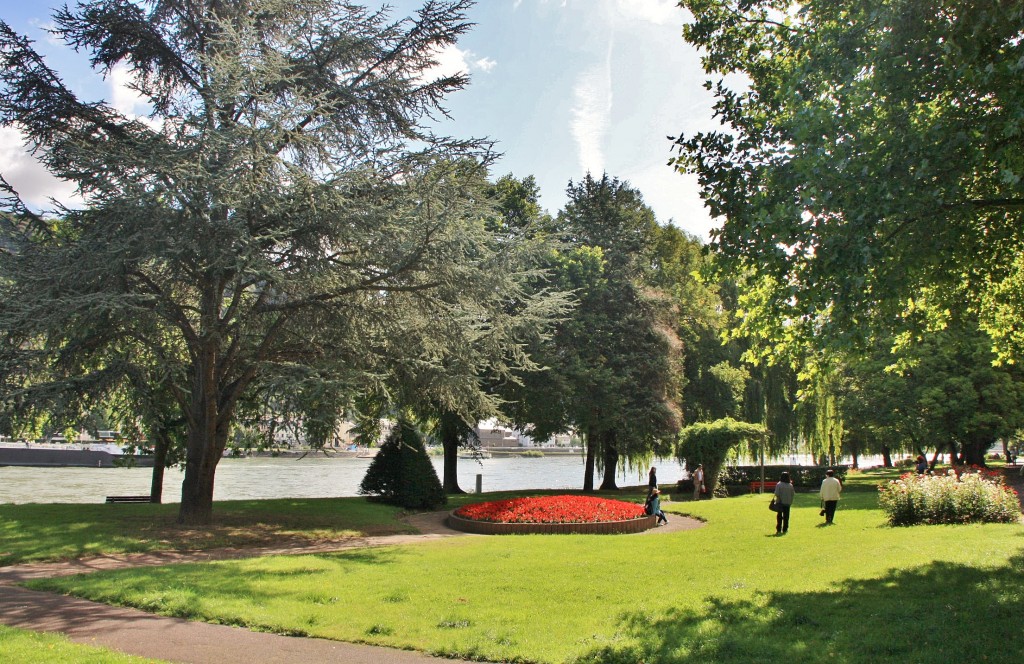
[
  {"x": 207, "y": 437},
  {"x": 451, "y": 465},
  {"x": 588, "y": 469},
  {"x": 886, "y": 457},
  {"x": 611, "y": 462},
  {"x": 160, "y": 450},
  {"x": 954, "y": 455},
  {"x": 974, "y": 452}
]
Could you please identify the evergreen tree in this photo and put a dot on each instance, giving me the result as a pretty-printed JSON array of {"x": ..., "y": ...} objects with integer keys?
[
  {"x": 401, "y": 473},
  {"x": 282, "y": 207}
]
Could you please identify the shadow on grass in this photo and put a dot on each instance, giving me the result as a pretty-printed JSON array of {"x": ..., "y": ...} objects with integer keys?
[
  {"x": 179, "y": 590},
  {"x": 941, "y": 612}
]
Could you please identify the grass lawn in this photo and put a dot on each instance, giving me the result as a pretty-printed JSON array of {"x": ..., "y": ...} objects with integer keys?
[
  {"x": 59, "y": 531},
  {"x": 19, "y": 646},
  {"x": 857, "y": 592}
]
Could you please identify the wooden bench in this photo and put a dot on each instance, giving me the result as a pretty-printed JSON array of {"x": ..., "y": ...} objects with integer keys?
[
  {"x": 768, "y": 486},
  {"x": 128, "y": 499}
]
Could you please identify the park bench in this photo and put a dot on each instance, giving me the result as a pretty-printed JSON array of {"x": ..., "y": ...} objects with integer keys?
[
  {"x": 768, "y": 486},
  {"x": 128, "y": 499}
]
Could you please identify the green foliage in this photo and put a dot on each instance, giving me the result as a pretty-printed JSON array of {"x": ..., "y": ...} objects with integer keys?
[
  {"x": 709, "y": 443},
  {"x": 284, "y": 235},
  {"x": 929, "y": 499},
  {"x": 808, "y": 477},
  {"x": 941, "y": 391},
  {"x": 401, "y": 473},
  {"x": 615, "y": 360},
  {"x": 869, "y": 164}
]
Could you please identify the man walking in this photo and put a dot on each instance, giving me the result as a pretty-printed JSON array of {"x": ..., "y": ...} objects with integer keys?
[{"x": 831, "y": 487}]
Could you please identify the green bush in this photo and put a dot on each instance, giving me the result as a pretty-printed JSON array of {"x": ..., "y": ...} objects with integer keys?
[
  {"x": 975, "y": 496},
  {"x": 402, "y": 474},
  {"x": 802, "y": 476}
]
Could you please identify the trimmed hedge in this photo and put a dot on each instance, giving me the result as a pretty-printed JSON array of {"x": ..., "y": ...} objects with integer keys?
[{"x": 804, "y": 477}]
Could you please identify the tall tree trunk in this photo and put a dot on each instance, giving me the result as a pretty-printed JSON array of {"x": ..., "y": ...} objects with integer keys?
[
  {"x": 207, "y": 437},
  {"x": 160, "y": 449},
  {"x": 954, "y": 455},
  {"x": 611, "y": 461},
  {"x": 974, "y": 452},
  {"x": 451, "y": 466},
  {"x": 452, "y": 433},
  {"x": 886, "y": 457},
  {"x": 588, "y": 469}
]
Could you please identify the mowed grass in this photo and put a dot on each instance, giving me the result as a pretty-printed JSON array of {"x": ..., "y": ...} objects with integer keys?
[
  {"x": 35, "y": 532},
  {"x": 857, "y": 592},
  {"x": 18, "y": 646}
]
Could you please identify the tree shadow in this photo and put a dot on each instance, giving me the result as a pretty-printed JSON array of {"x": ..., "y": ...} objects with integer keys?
[{"x": 942, "y": 612}]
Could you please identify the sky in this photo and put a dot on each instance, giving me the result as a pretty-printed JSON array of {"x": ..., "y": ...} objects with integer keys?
[{"x": 564, "y": 87}]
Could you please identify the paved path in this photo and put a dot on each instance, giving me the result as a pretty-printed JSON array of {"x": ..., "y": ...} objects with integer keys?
[{"x": 176, "y": 640}]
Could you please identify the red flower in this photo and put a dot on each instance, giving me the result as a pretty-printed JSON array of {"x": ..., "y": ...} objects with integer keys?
[{"x": 552, "y": 509}]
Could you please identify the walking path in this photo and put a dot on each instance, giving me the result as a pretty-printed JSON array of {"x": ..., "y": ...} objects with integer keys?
[{"x": 173, "y": 639}]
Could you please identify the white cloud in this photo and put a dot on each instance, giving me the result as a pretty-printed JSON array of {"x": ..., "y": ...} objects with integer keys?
[
  {"x": 29, "y": 178},
  {"x": 122, "y": 96},
  {"x": 452, "y": 60},
  {"x": 591, "y": 114},
  {"x": 485, "y": 64}
]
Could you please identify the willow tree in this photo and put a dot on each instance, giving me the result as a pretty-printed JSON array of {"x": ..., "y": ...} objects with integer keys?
[{"x": 282, "y": 206}]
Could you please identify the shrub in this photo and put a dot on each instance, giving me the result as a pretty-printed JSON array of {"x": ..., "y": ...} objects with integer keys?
[
  {"x": 402, "y": 474},
  {"x": 802, "y": 476},
  {"x": 973, "y": 496}
]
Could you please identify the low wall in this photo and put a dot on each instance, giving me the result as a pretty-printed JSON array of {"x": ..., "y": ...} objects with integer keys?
[{"x": 598, "y": 528}]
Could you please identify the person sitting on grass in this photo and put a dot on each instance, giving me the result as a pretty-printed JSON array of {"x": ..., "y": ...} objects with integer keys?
[{"x": 653, "y": 506}]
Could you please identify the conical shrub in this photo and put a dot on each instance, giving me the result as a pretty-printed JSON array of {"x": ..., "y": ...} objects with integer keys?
[{"x": 402, "y": 474}]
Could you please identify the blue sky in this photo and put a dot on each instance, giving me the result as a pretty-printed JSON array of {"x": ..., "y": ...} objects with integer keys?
[{"x": 563, "y": 86}]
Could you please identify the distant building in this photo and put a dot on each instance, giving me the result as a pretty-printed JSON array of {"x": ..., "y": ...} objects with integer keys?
[{"x": 494, "y": 434}]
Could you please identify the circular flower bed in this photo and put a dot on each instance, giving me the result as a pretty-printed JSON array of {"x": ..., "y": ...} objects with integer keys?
[{"x": 551, "y": 514}]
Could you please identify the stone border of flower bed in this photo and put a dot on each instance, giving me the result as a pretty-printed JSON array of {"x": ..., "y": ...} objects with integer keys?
[{"x": 590, "y": 528}]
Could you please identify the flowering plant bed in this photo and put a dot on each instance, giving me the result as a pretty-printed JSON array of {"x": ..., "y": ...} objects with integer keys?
[
  {"x": 961, "y": 496},
  {"x": 552, "y": 514}
]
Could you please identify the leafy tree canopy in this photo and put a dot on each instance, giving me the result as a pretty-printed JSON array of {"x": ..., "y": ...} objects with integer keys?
[{"x": 870, "y": 161}]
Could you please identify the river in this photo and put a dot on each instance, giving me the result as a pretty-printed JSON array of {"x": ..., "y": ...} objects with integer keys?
[{"x": 266, "y": 477}]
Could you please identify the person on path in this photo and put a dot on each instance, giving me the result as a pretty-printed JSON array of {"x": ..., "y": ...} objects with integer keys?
[
  {"x": 831, "y": 487},
  {"x": 653, "y": 506},
  {"x": 698, "y": 481},
  {"x": 784, "y": 495},
  {"x": 652, "y": 481}
]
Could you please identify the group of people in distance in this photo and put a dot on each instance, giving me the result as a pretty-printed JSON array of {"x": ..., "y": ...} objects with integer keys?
[{"x": 830, "y": 490}]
